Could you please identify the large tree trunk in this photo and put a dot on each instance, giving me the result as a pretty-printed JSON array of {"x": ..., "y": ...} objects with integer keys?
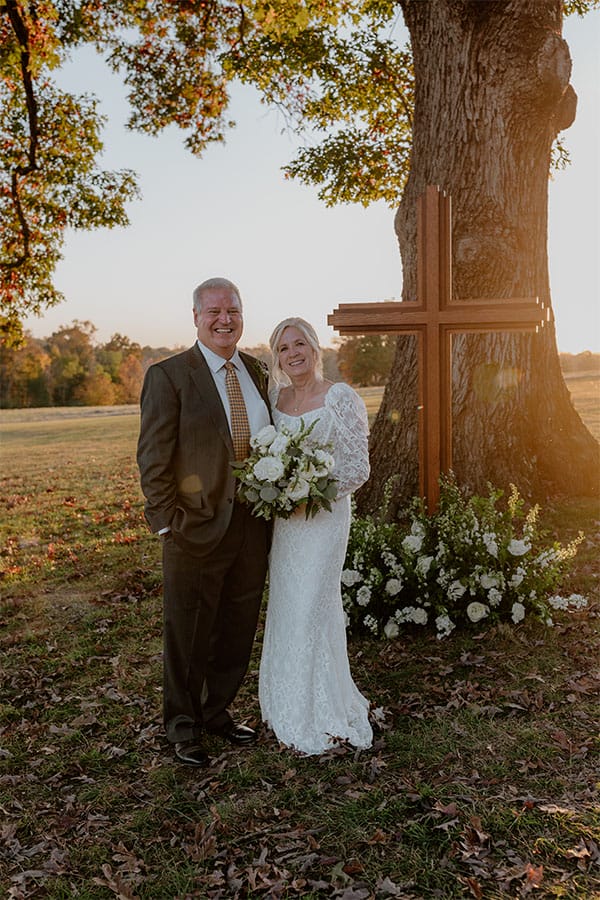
[{"x": 492, "y": 92}]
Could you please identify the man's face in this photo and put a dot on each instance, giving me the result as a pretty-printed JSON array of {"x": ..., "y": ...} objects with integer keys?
[{"x": 219, "y": 322}]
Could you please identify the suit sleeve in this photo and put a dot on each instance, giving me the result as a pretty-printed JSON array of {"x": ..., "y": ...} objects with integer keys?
[{"x": 159, "y": 426}]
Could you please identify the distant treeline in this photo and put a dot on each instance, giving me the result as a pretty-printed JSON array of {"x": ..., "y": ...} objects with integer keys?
[{"x": 70, "y": 368}]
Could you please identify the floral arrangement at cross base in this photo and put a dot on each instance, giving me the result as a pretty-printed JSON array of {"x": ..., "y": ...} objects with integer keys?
[
  {"x": 287, "y": 469},
  {"x": 472, "y": 562}
]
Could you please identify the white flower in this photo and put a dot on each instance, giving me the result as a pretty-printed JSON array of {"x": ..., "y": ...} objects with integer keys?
[
  {"x": 412, "y": 543},
  {"x": 269, "y": 468},
  {"x": 264, "y": 437},
  {"x": 299, "y": 490},
  {"x": 279, "y": 444},
  {"x": 518, "y": 612},
  {"x": 578, "y": 601},
  {"x": 391, "y": 629},
  {"x": 517, "y": 577},
  {"x": 325, "y": 459},
  {"x": 456, "y": 590},
  {"x": 350, "y": 577},
  {"x": 393, "y": 587},
  {"x": 477, "y": 611},
  {"x": 488, "y": 581},
  {"x": 518, "y": 548},
  {"x": 444, "y": 626},
  {"x": 363, "y": 595},
  {"x": 419, "y": 616},
  {"x": 558, "y": 602},
  {"x": 423, "y": 565},
  {"x": 490, "y": 544},
  {"x": 371, "y": 623},
  {"x": 494, "y": 597}
]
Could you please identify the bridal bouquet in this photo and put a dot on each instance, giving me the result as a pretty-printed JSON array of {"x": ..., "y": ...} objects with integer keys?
[{"x": 287, "y": 469}]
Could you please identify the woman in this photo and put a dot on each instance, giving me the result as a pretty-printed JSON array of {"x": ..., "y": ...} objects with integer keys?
[{"x": 306, "y": 692}]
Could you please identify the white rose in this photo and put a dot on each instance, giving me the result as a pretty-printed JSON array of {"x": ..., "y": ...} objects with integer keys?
[
  {"x": 279, "y": 444},
  {"x": 269, "y": 468},
  {"x": 265, "y": 437},
  {"x": 419, "y": 616},
  {"x": 488, "y": 581},
  {"x": 393, "y": 587},
  {"x": 412, "y": 542},
  {"x": 391, "y": 630},
  {"x": 299, "y": 490},
  {"x": 477, "y": 611},
  {"x": 325, "y": 459}
]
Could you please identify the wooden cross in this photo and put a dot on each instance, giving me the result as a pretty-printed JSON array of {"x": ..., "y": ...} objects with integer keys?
[{"x": 434, "y": 318}]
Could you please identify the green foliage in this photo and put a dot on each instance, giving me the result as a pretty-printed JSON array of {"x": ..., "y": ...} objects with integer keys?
[
  {"x": 366, "y": 360},
  {"x": 472, "y": 561}
]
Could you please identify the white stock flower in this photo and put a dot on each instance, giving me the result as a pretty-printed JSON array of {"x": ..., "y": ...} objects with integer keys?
[
  {"x": 518, "y": 548},
  {"x": 279, "y": 444},
  {"x": 350, "y": 577},
  {"x": 325, "y": 459},
  {"x": 393, "y": 587},
  {"x": 269, "y": 468},
  {"x": 517, "y": 612},
  {"x": 456, "y": 590},
  {"x": 264, "y": 437},
  {"x": 363, "y": 595},
  {"x": 391, "y": 629},
  {"x": 494, "y": 597},
  {"x": 477, "y": 611},
  {"x": 371, "y": 623}
]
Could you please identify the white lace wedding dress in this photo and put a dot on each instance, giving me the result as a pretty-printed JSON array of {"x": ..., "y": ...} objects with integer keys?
[{"x": 306, "y": 692}]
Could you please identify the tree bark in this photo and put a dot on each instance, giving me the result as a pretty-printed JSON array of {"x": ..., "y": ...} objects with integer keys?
[{"x": 492, "y": 93}]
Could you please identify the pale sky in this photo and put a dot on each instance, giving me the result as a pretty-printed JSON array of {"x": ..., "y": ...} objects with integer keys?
[{"x": 232, "y": 213}]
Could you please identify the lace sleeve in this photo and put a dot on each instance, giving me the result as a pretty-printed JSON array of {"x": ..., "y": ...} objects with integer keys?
[{"x": 350, "y": 437}]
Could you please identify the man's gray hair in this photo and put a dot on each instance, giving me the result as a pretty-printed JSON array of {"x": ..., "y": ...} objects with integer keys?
[{"x": 211, "y": 283}]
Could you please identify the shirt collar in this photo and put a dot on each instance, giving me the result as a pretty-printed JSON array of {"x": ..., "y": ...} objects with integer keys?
[{"x": 216, "y": 362}]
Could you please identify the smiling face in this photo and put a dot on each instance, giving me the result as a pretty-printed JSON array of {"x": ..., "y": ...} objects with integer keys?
[
  {"x": 296, "y": 356},
  {"x": 219, "y": 321}
]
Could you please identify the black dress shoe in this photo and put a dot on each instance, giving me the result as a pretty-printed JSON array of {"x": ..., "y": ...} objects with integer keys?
[
  {"x": 191, "y": 754},
  {"x": 240, "y": 735}
]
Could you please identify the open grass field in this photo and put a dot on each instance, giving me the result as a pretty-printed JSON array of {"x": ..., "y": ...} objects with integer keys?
[{"x": 483, "y": 781}]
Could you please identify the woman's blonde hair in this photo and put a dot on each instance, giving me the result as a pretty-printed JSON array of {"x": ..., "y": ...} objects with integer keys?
[{"x": 310, "y": 335}]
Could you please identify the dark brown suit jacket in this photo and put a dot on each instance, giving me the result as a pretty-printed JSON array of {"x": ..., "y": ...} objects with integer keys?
[{"x": 185, "y": 450}]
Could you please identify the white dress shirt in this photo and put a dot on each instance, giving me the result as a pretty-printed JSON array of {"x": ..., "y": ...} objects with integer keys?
[{"x": 258, "y": 414}]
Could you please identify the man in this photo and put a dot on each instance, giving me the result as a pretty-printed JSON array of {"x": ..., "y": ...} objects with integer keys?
[{"x": 214, "y": 553}]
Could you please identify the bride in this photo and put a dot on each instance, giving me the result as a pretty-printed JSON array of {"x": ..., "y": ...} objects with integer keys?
[{"x": 306, "y": 692}]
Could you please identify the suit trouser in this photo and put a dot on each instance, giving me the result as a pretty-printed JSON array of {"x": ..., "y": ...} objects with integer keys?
[{"x": 211, "y": 609}]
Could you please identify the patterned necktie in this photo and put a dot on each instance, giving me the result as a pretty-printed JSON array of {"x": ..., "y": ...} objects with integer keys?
[{"x": 240, "y": 429}]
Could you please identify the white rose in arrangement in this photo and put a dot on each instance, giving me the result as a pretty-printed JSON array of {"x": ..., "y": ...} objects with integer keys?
[
  {"x": 488, "y": 581},
  {"x": 393, "y": 587},
  {"x": 299, "y": 490},
  {"x": 477, "y": 611},
  {"x": 279, "y": 444},
  {"x": 419, "y": 616},
  {"x": 264, "y": 437},
  {"x": 269, "y": 468},
  {"x": 412, "y": 543},
  {"x": 518, "y": 548},
  {"x": 423, "y": 565},
  {"x": 517, "y": 577},
  {"x": 391, "y": 629}
]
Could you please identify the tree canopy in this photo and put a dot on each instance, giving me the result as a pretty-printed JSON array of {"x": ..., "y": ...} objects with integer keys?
[{"x": 334, "y": 70}]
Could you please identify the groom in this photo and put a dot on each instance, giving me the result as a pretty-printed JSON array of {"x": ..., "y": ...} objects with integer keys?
[{"x": 198, "y": 409}]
